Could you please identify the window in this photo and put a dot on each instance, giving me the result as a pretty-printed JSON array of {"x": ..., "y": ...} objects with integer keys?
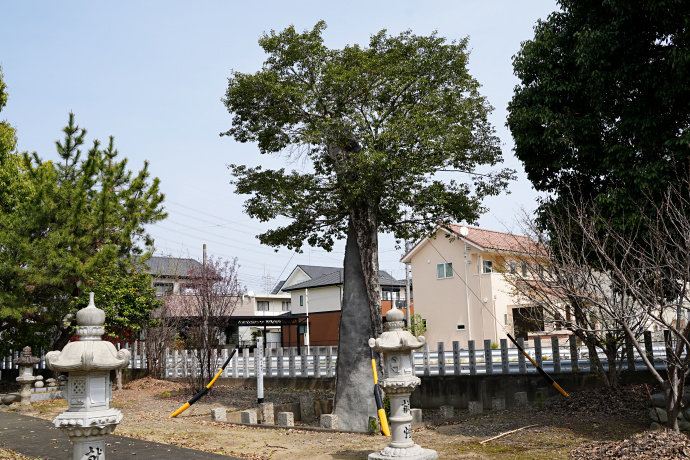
[
  {"x": 262, "y": 305},
  {"x": 513, "y": 264},
  {"x": 488, "y": 266},
  {"x": 524, "y": 269},
  {"x": 163, "y": 288},
  {"x": 444, "y": 270},
  {"x": 286, "y": 305},
  {"x": 301, "y": 301}
]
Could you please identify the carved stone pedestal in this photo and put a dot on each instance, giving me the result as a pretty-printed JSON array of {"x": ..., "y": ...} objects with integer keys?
[{"x": 398, "y": 384}]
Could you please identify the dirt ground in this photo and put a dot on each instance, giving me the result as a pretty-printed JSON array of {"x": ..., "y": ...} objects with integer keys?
[{"x": 548, "y": 430}]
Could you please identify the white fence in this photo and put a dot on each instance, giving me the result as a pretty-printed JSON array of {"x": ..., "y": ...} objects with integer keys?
[{"x": 554, "y": 357}]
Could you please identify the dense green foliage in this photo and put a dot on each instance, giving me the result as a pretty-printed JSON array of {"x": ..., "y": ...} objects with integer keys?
[
  {"x": 372, "y": 124},
  {"x": 603, "y": 107},
  {"x": 78, "y": 218},
  {"x": 128, "y": 300}
]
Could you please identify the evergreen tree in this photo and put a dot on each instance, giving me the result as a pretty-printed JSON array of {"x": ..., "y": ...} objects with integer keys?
[{"x": 82, "y": 214}]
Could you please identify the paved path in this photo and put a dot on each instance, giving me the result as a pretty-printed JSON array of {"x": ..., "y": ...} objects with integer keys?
[{"x": 35, "y": 437}]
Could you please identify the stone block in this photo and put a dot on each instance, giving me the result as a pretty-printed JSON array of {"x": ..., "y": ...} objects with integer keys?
[
  {"x": 521, "y": 398},
  {"x": 249, "y": 416},
  {"x": 498, "y": 403},
  {"x": 416, "y": 416},
  {"x": 542, "y": 393},
  {"x": 219, "y": 414},
  {"x": 267, "y": 413},
  {"x": 475, "y": 407},
  {"x": 286, "y": 419},
  {"x": 329, "y": 421},
  {"x": 684, "y": 425},
  {"x": 662, "y": 415},
  {"x": 374, "y": 426},
  {"x": 659, "y": 401},
  {"x": 447, "y": 411},
  {"x": 306, "y": 407}
]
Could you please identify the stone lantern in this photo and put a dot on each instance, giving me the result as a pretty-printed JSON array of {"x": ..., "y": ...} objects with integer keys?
[
  {"x": 26, "y": 376},
  {"x": 398, "y": 382},
  {"x": 88, "y": 363}
]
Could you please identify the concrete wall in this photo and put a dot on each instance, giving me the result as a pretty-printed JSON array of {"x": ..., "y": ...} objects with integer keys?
[{"x": 458, "y": 391}]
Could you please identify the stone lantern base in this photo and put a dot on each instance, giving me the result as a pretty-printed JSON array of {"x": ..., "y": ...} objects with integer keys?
[{"x": 411, "y": 453}]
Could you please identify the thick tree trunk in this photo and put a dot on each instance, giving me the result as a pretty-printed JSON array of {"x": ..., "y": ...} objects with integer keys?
[
  {"x": 366, "y": 226},
  {"x": 354, "y": 398}
]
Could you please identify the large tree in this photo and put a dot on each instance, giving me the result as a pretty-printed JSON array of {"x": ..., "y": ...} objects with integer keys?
[
  {"x": 372, "y": 125},
  {"x": 80, "y": 215},
  {"x": 602, "y": 110}
]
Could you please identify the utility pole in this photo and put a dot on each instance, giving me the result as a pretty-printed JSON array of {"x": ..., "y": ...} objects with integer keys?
[{"x": 408, "y": 246}]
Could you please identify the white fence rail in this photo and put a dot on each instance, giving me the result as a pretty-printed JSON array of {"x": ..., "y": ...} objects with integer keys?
[{"x": 553, "y": 356}]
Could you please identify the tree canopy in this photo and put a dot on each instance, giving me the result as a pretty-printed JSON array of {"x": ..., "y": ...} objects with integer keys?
[
  {"x": 603, "y": 105},
  {"x": 80, "y": 215},
  {"x": 375, "y": 123}
]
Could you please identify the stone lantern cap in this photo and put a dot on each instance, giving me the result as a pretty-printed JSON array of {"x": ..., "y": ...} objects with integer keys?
[
  {"x": 395, "y": 339},
  {"x": 89, "y": 352},
  {"x": 27, "y": 359}
]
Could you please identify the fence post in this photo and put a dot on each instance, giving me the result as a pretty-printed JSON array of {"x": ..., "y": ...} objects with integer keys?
[
  {"x": 556, "y": 354},
  {"x": 630, "y": 353},
  {"x": 456, "y": 357},
  {"x": 574, "y": 355},
  {"x": 317, "y": 362},
  {"x": 648, "y": 346},
  {"x": 522, "y": 365},
  {"x": 488, "y": 357},
  {"x": 291, "y": 363},
  {"x": 329, "y": 361},
  {"x": 280, "y": 361},
  {"x": 134, "y": 354},
  {"x": 668, "y": 345},
  {"x": 537, "y": 351},
  {"x": 425, "y": 358},
  {"x": 505, "y": 361},
  {"x": 268, "y": 367},
  {"x": 223, "y": 357},
  {"x": 441, "y": 358},
  {"x": 233, "y": 363},
  {"x": 185, "y": 363},
  {"x": 245, "y": 363},
  {"x": 472, "y": 356},
  {"x": 144, "y": 363}
]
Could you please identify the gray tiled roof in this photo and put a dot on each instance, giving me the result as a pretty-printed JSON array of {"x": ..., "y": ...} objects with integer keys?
[
  {"x": 335, "y": 278},
  {"x": 171, "y": 266},
  {"x": 278, "y": 287}
]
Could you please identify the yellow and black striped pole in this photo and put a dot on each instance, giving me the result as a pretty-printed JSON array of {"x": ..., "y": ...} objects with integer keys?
[
  {"x": 541, "y": 371},
  {"x": 198, "y": 396},
  {"x": 379, "y": 402}
]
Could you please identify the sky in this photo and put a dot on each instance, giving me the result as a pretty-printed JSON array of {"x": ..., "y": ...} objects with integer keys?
[{"x": 152, "y": 74}]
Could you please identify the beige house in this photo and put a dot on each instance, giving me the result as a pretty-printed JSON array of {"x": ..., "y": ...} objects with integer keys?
[{"x": 460, "y": 289}]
